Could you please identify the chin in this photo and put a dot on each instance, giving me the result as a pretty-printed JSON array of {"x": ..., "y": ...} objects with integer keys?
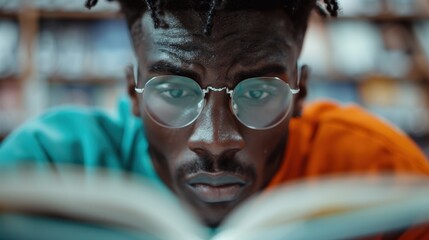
[{"x": 213, "y": 214}]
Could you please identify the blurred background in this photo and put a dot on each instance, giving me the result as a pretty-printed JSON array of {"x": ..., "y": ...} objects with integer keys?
[{"x": 56, "y": 52}]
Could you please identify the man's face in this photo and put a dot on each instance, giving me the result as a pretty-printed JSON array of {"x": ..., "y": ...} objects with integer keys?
[{"x": 216, "y": 162}]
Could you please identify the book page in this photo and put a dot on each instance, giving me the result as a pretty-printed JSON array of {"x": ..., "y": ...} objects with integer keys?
[
  {"x": 333, "y": 208},
  {"x": 113, "y": 200},
  {"x": 113, "y": 205}
]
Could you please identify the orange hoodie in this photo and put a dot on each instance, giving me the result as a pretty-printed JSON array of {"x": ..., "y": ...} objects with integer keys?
[{"x": 329, "y": 139}]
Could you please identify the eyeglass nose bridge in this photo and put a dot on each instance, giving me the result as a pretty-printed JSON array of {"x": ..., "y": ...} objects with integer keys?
[{"x": 210, "y": 88}]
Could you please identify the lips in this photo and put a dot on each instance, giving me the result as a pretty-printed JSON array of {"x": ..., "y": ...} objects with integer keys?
[{"x": 216, "y": 187}]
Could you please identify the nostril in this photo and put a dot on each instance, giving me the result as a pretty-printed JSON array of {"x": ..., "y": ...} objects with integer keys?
[
  {"x": 216, "y": 147},
  {"x": 226, "y": 161},
  {"x": 215, "y": 144}
]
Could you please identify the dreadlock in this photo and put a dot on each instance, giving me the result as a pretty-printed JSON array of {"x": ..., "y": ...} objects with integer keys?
[
  {"x": 210, "y": 15},
  {"x": 133, "y": 8}
]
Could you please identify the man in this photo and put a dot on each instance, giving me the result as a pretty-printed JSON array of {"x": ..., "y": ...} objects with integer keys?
[{"x": 218, "y": 88}]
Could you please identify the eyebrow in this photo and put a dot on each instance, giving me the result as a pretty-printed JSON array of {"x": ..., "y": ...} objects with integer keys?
[
  {"x": 260, "y": 72},
  {"x": 164, "y": 67}
]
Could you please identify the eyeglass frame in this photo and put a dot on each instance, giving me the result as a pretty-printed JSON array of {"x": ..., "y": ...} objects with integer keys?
[{"x": 211, "y": 88}]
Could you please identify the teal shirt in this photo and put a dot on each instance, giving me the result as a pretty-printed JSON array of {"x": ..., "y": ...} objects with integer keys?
[{"x": 88, "y": 137}]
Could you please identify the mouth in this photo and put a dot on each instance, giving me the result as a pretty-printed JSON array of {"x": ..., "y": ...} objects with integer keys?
[{"x": 216, "y": 187}]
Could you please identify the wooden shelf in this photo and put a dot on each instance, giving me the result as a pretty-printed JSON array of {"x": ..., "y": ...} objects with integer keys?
[
  {"x": 72, "y": 15},
  {"x": 87, "y": 15},
  {"x": 10, "y": 79},
  {"x": 8, "y": 14},
  {"x": 383, "y": 18},
  {"x": 59, "y": 80}
]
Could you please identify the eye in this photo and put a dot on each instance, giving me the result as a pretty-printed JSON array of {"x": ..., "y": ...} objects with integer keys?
[
  {"x": 174, "y": 90},
  {"x": 256, "y": 94},
  {"x": 176, "y": 93}
]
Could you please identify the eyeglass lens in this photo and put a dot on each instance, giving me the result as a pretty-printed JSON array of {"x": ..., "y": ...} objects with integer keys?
[{"x": 176, "y": 101}]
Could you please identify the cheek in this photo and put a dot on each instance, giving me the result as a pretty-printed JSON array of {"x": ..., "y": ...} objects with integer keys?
[
  {"x": 265, "y": 141},
  {"x": 266, "y": 148},
  {"x": 168, "y": 142}
]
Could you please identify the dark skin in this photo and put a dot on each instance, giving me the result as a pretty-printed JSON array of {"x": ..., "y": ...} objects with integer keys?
[{"x": 243, "y": 44}]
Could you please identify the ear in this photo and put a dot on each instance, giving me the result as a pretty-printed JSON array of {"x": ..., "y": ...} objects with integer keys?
[
  {"x": 300, "y": 97},
  {"x": 131, "y": 90}
]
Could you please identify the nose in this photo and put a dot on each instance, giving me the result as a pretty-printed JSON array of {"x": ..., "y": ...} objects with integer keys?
[{"x": 216, "y": 130}]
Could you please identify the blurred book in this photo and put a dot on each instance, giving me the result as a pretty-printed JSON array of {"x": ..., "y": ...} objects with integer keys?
[
  {"x": 110, "y": 205},
  {"x": 97, "y": 48},
  {"x": 110, "y": 46},
  {"x": 9, "y": 33},
  {"x": 408, "y": 7},
  {"x": 57, "y": 5},
  {"x": 402, "y": 103},
  {"x": 100, "y": 50},
  {"x": 313, "y": 54},
  {"x": 356, "y": 46},
  {"x": 362, "y": 8},
  {"x": 9, "y": 5},
  {"x": 103, "y": 95},
  {"x": 11, "y": 114},
  {"x": 421, "y": 30},
  {"x": 342, "y": 91}
]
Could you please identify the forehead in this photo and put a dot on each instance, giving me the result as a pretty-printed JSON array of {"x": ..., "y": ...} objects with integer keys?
[{"x": 239, "y": 38}]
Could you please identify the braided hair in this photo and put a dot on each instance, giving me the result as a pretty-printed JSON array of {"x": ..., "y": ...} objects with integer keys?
[{"x": 297, "y": 9}]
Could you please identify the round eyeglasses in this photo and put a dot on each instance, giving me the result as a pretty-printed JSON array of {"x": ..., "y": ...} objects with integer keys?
[{"x": 177, "y": 101}]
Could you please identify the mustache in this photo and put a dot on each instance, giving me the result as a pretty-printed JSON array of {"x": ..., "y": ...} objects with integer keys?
[{"x": 210, "y": 164}]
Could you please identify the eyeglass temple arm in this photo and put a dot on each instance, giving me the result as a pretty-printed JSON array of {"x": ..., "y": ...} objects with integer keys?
[
  {"x": 296, "y": 90},
  {"x": 136, "y": 79}
]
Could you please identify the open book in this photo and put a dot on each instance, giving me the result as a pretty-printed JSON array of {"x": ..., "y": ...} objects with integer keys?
[{"x": 104, "y": 205}]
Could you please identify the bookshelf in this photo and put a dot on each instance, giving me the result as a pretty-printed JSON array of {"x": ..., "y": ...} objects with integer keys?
[
  {"x": 376, "y": 54},
  {"x": 49, "y": 70}
]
